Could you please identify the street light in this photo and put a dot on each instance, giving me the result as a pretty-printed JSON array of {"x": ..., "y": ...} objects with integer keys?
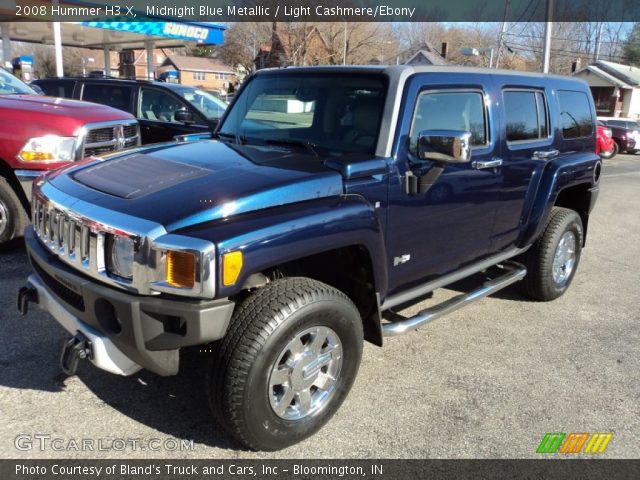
[{"x": 474, "y": 52}]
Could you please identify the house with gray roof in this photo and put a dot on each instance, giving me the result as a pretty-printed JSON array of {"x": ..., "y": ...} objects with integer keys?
[{"x": 615, "y": 88}]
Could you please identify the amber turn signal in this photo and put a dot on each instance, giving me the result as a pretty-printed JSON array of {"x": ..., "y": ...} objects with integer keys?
[
  {"x": 181, "y": 269},
  {"x": 231, "y": 267}
]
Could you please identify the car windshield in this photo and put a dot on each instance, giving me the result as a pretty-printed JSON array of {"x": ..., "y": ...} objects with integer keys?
[
  {"x": 320, "y": 112},
  {"x": 204, "y": 102},
  {"x": 10, "y": 85}
]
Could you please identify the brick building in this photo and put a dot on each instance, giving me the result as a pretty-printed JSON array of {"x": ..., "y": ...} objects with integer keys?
[
  {"x": 292, "y": 46},
  {"x": 202, "y": 72}
]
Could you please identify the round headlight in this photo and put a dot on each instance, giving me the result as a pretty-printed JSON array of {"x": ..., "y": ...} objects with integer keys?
[{"x": 122, "y": 257}]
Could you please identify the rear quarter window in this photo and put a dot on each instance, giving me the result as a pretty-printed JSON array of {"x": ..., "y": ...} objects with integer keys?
[
  {"x": 57, "y": 89},
  {"x": 575, "y": 114}
]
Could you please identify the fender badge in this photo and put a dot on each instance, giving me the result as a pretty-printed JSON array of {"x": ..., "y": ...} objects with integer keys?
[{"x": 401, "y": 259}]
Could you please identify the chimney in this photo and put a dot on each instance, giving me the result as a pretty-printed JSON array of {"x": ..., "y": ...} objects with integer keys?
[
  {"x": 575, "y": 65},
  {"x": 443, "y": 51}
]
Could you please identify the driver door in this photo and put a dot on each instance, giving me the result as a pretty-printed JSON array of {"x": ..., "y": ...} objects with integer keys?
[{"x": 438, "y": 231}]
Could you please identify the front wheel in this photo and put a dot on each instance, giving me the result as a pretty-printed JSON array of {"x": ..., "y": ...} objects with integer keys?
[
  {"x": 553, "y": 259},
  {"x": 286, "y": 364}
]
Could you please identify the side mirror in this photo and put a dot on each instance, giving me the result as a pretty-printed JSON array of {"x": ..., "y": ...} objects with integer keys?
[
  {"x": 449, "y": 146},
  {"x": 37, "y": 89},
  {"x": 184, "y": 116}
]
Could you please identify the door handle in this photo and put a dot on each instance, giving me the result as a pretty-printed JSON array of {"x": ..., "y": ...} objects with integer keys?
[
  {"x": 545, "y": 155},
  {"x": 481, "y": 164}
]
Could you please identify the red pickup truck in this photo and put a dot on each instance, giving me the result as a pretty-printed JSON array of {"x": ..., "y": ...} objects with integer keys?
[{"x": 42, "y": 133}]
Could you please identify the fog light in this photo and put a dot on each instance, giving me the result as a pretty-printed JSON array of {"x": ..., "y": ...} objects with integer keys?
[
  {"x": 181, "y": 269},
  {"x": 231, "y": 267}
]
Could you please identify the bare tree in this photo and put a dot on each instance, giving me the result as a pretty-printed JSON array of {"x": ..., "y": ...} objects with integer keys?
[{"x": 242, "y": 43}]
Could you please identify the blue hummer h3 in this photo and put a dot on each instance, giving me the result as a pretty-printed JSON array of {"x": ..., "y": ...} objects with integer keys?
[{"x": 327, "y": 199}]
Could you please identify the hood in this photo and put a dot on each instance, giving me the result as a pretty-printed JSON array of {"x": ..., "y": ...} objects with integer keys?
[
  {"x": 40, "y": 106},
  {"x": 180, "y": 185}
]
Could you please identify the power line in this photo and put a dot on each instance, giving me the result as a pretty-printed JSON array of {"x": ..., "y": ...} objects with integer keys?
[
  {"x": 567, "y": 39},
  {"x": 557, "y": 52}
]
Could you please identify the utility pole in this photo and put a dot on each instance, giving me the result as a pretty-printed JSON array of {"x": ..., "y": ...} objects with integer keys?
[
  {"x": 596, "y": 50},
  {"x": 548, "y": 28},
  {"x": 344, "y": 50},
  {"x": 502, "y": 30}
]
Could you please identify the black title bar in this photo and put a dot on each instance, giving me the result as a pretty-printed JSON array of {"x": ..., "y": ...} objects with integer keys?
[{"x": 320, "y": 10}]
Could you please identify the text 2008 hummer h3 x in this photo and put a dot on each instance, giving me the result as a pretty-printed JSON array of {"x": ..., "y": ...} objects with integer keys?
[{"x": 328, "y": 197}]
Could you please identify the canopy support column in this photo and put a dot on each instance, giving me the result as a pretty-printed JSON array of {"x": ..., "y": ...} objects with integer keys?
[{"x": 149, "y": 47}]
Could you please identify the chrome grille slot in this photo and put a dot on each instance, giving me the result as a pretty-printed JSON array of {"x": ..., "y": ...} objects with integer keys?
[{"x": 84, "y": 245}]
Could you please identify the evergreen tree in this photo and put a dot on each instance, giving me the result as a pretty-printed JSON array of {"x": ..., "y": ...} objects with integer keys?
[{"x": 632, "y": 46}]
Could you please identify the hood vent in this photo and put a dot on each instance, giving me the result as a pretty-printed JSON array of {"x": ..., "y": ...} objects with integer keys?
[{"x": 137, "y": 175}]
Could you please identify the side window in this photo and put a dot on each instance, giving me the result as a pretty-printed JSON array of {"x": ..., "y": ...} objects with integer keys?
[
  {"x": 57, "y": 89},
  {"x": 116, "y": 96},
  {"x": 442, "y": 110},
  {"x": 575, "y": 114},
  {"x": 526, "y": 115},
  {"x": 158, "y": 106}
]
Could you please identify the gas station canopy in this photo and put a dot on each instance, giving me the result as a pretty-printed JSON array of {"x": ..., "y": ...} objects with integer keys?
[
  {"x": 110, "y": 36},
  {"x": 120, "y": 35}
]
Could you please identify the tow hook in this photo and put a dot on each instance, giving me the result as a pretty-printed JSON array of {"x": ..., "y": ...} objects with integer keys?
[
  {"x": 26, "y": 295},
  {"x": 75, "y": 349}
]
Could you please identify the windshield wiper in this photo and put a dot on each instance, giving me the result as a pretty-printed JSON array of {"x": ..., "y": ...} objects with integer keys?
[
  {"x": 240, "y": 140},
  {"x": 294, "y": 143}
]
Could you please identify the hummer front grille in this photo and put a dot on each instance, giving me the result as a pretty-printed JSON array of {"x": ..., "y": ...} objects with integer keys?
[
  {"x": 70, "y": 237},
  {"x": 109, "y": 137},
  {"x": 78, "y": 233}
]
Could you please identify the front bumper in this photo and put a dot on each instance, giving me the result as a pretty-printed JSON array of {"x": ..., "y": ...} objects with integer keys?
[{"x": 135, "y": 331}]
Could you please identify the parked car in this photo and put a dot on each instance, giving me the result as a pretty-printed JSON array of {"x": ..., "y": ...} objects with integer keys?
[
  {"x": 606, "y": 147},
  {"x": 164, "y": 110},
  {"x": 39, "y": 134},
  {"x": 625, "y": 132},
  {"x": 287, "y": 239}
]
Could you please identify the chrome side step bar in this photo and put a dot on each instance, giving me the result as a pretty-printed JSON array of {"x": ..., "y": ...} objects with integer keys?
[{"x": 515, "y": 273}]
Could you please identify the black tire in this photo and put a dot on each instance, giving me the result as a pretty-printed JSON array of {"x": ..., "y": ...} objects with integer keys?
[
  {"x": 262, "y": 326},
  {"x": 539, "y": 283},
  {"x": 611, "y": 154},
  {"x": 13, "y": 218}
]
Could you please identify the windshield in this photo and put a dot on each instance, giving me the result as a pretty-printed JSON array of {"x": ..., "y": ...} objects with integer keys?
[
  {"x": 10, "y": 85},
  {"x": 333, "y": 114},
  {"x": 204, "y": 102}
]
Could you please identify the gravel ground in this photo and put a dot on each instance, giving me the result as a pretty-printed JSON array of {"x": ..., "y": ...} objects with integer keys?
[{"x": 487, "y": 381}]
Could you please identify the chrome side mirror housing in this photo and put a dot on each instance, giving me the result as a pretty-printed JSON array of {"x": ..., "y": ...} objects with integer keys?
[{"x": 448, "y": 146}]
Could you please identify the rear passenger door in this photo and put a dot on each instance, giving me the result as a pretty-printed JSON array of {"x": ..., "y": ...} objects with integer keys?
[{"x": 527, "y": 144}]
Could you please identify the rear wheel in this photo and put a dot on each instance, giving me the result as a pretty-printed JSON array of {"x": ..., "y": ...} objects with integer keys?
[
  {"x": 553, "y": 259},
  {"x": 286, "y": 364},
  {"x": 13, "y": 218}
]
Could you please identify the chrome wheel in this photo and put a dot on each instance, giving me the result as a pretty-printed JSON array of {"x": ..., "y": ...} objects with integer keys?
[
  {"x": 304, "y": 376},
  {"x": 4, "y": 218},
  {"x": 564, "y": 259}
]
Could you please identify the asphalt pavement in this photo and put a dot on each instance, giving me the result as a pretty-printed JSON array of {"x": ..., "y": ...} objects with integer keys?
[{"x": 487, "y": 381}]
